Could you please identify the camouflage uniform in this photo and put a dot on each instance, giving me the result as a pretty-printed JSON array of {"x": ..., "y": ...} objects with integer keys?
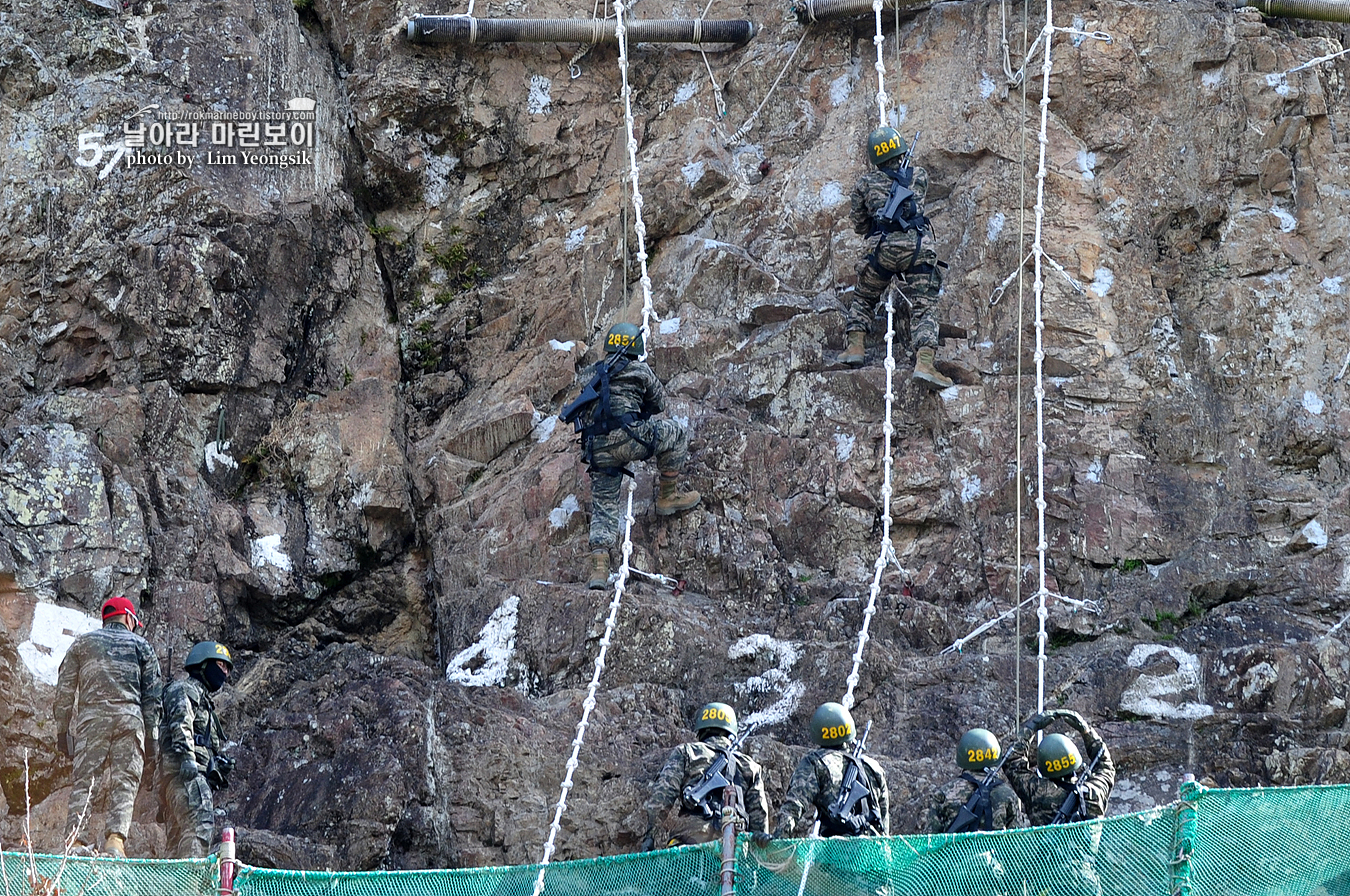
[
  {"x": 113, "y": 675},
  {"x": 634, "y": 390},
  {"x": 950, "y": 797},
  {"x": 893, "y": 254},
  {"x": 191, "y": 732},
  {"x": 686, "y": 765},
  {"x": 1042, "y": 797},
  {"x": 816, "y": 783}
]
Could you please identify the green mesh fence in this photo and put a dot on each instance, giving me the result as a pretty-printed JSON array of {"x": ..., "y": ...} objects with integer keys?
[
  {"x": 1264, "y": 842},
  {"x": 42, "y": 875}
]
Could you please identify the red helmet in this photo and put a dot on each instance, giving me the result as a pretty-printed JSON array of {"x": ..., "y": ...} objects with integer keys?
[{"x": 120, "y": 606}]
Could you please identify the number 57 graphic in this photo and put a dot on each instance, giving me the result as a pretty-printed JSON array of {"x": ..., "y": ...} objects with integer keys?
[{"x": 92, "y": 141}]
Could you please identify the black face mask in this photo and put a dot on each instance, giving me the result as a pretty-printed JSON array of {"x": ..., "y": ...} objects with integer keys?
[{"x": 213, "y": 676}]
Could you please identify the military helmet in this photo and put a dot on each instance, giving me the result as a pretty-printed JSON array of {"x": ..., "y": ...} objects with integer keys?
[
  {"x": 832, "y": 725},
  {"x": 626, "y": 338},
  {"x": 977, "y": 750},
  {"x": 207, "y": 650},
  {"x": 886, "y": 144},
  {"x": 716, "y": 715},
  {"x": 1058, "y": 756}
]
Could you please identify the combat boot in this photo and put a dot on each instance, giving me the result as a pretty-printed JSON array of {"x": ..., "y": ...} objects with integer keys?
[
  {"x": 853, "y": 355},
  {"x": 669, "y": 501},
  {"x": 599, "y": 570},
  {"x": 116, "y": 846},
  {"x": 926, "y": 373}
]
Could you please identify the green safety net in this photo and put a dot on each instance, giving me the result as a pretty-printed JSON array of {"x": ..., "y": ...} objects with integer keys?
[{"x": 1260, "y": 842}]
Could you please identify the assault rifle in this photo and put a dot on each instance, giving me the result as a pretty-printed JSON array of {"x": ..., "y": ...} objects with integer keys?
[
  {"x": 853, "y": 790},
  {"x": 717, "y": 778},
  {"x": 967, "y": 815},
  {"x": 1073, "y": 803},
  {"x": 597, "y": 388},
  {"x": 900, "y": 190}
]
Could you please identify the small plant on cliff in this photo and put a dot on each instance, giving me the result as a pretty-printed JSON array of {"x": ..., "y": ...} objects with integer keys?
[{"x": 303, "y": 5}]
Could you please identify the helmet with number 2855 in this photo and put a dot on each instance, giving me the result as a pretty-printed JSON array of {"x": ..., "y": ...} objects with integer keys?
[{"x": 1058, "y": 756}]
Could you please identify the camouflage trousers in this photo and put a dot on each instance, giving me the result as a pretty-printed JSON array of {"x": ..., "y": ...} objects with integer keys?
[
  {"x": 189, "y": 813},
  {"x": 669, "y": 442},
  {"x": 115, "y": 745},
  {"x": 920, "y": 278}
]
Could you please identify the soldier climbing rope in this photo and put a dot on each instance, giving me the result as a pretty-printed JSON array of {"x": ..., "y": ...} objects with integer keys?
[{"x": 640, "y": 231}]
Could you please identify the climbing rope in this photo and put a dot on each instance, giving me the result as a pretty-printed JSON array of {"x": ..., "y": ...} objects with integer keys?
[
  {"x": 880, "y": 42},
  {"x": 1038, "y": 294},
  {"x": 886, "y": 555},
  {"x": 620, "y": 585}
]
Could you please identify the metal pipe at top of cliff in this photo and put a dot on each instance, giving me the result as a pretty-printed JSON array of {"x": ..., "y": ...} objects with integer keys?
[
  {"x": 1320, "y": 10},
  {"x": 468, "y": 30},
  {"x": 820, "y": 10}
]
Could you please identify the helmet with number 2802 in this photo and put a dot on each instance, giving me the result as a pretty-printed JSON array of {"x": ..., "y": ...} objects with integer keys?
[{"x": 832, "y": 725}]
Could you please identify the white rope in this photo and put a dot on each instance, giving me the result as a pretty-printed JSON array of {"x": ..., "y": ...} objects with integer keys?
[
  {"x": 1318, "y": 61},
  {"x": 959, "y": 644},
  {"x": 1038, "y": 291},
  {"x": 1077, "y": 285},
  {"x": 880, "y": 42},
  {"x": 886, "y": 555},
  {"x": 754, "y": 116},
  {"x": 640, "y": 229}
]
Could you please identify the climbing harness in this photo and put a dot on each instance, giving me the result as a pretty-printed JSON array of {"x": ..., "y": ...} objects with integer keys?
[
  {"x": 621, "y": 584},
  {"x": 589, "y": 414}
]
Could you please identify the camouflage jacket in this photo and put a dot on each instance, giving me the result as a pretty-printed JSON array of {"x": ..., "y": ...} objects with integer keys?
[
  {"x": 873, "y": 191},
  {"x": 686, "y": 765},
  {"x": 190, "y": 727},
  {"x": 113, "y": 672},
  {"x": 950, "y": 797},
  {"x": 1042, "y": 797},
  {"x": 636, "y": 390},
  {"x": 816, "y": 783}
]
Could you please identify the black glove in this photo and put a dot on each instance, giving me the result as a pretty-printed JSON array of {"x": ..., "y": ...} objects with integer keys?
[
  {"x": 1072, "y": 719},
  {"x": 761, "y": 838},
  {"x": 188, "y": 771},
  {"x": 648, "y": 843},
  {"x": 66, "y": 744},
  {"x": 1035, "y": 723}
]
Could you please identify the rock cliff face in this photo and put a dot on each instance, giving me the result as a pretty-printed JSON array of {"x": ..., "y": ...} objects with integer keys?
[{"x": 311, "y": 411}]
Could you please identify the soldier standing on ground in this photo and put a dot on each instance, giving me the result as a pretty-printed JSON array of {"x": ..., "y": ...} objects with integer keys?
[
  {"x": 1061, "y": 770},
  {"x": 107, "y": 705},
  {"x": 693, "y": 766},
  {"x": 887, "y": 209},
  {"x": 817, "y": 784},
  {"x": 997, "y": 808},
  {"x": 613, "y": 415},
  {"x": 192, "y": 741}
]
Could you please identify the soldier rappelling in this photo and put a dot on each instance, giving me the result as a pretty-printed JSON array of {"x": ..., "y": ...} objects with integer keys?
[
  {"x": 887, "y": 208},
  {"x": 614, "y": 415}
]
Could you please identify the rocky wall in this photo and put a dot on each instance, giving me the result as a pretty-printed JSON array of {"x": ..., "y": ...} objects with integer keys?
[{"x": 311, "y": 410}]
